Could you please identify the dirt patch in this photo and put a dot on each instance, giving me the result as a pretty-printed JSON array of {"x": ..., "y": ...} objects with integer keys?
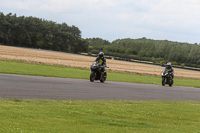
[{"x": 73, "y": 60}]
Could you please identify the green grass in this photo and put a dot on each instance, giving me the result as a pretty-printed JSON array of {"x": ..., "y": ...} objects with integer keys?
[
  {"x": 99, "y": 116},
  {"x": 73, "y": 116},
  {"x": 13, "y": 67}
]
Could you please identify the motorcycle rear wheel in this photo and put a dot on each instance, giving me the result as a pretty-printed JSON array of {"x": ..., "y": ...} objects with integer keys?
[
  {"x": 103, "y": 77},
  {"x": 102, "y": 80},
  {"x": 170, "y": 82}
]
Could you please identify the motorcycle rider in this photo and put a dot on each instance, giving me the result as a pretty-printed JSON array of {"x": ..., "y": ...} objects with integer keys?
[
  {"x": 169, "y": 68},
  {"x": 101, "y": 60}
]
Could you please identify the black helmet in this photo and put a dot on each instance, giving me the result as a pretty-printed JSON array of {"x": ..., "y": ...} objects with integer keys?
[
  {"x": 169, "y": 65},
  {"x": 101, "y": 54}
]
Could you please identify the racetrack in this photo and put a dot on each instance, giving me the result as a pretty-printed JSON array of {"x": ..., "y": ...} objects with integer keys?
[{"x": 36, "y": 87}]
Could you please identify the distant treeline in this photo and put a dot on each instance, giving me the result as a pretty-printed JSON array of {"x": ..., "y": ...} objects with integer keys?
[
  {"x": 157, "y": 51},
  {"x": 39, "y": 33}
]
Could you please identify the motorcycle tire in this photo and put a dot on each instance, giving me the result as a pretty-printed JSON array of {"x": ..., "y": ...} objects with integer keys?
[
  {"x": 170, "y": 82},
  {"x": 102, "y": 78},
  {"x": 92, "y": 77},
  {"x": 105, "y": 76},
  {"x": 163, "y": 81}
]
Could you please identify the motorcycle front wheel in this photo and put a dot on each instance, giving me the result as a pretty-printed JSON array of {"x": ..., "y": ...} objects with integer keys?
[
  {"x": 92, "y": 77},
  {"x": 163, "y": 81}
]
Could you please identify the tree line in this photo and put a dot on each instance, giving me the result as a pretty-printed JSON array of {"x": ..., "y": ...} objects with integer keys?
[
  {"x": 157, "y": 51},
  {"x": 39, "y": 33}
]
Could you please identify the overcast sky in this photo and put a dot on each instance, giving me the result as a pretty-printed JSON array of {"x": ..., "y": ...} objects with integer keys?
[{"x": 175, "y": 20}]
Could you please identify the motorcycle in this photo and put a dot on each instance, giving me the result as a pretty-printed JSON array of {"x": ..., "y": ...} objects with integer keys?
[
  {"x": 96, "y": 72},
  {"x": 167, "y": 78}
]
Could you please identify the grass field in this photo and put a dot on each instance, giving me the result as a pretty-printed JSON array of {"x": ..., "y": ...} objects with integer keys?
[
  {"x": 78, "y": 61},
  {"x": 99, "y": 116},
  {"x": 14, "y": 67}
]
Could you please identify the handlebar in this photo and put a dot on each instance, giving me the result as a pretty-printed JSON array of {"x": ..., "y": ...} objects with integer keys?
[
  {"x": 104, "y": 66},
  {"x": 99, "y": 65}
]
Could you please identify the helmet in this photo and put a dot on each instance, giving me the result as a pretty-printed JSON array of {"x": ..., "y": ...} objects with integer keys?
[
  {"x": 169, "y": 65},
  {"x": 101, "y": 54}
]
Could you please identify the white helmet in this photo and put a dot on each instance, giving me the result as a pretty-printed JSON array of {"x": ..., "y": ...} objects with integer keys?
[
  {"x": 101, "y": 54},
  {"x": 169, "y": 65}
]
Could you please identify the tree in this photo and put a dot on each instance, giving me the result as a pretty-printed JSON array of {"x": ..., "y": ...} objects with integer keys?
[{"x": 39, "y": 33}]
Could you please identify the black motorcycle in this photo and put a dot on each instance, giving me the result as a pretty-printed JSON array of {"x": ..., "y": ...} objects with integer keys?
[
  {"x": 97, "y": 73},
  {"x": 167, "y": 78}
]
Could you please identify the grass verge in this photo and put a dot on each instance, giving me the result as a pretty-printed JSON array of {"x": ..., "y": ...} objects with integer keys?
[
  {"x": 14, "y": 67},
  {"x": 98, "y": 116}
]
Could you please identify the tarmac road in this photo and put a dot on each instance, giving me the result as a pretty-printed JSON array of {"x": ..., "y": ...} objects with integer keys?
[{"x": 36, "y": 87}]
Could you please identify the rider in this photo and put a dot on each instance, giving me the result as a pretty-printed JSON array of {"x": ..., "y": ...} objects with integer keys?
[
  {"x": 169, "y": 68},
  {"x": 101, "y": 60}
]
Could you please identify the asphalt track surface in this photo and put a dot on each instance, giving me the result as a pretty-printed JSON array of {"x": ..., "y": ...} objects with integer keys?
[{"x": 37, "y": 87}]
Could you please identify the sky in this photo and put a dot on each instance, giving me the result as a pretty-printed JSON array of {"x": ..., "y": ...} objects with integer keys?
[{"x": 174, "y": 20}]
